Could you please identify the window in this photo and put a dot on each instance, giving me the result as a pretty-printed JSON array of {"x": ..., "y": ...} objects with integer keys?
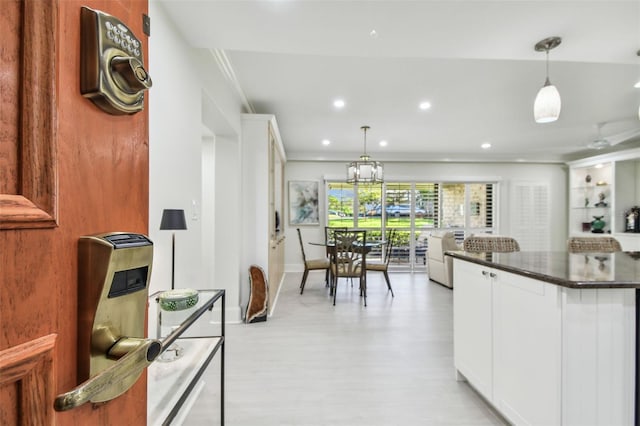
[
  {"x": 340, "y": 202},
  {"x": 414, "y": 210}
]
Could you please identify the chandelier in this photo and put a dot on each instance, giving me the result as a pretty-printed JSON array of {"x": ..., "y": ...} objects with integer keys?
[{"x": 365, "y": 170}]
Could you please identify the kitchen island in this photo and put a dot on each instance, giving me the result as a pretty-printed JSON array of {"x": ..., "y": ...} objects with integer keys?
[{"x": 549, "y": 338}]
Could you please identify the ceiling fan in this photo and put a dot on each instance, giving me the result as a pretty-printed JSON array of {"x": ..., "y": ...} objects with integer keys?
[{"x": 605, "y": 142}]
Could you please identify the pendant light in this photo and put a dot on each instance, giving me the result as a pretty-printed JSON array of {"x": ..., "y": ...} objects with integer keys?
[
  {"x": 365, "y": 170},
  {"x": 546, "y": 107}
]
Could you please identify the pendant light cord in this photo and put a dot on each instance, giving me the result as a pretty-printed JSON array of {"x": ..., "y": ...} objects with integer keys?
[
  {"x": 547, "y": 82},
  {"x": 365, "y": 140},
  {"x": 364, "y": 155}
]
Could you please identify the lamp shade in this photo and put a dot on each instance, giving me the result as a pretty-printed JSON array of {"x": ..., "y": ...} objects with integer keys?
[
  {"x": 365, "y": 171},
  {"x": 546, "y": 107},
  {"x": 173, "y": 219}
]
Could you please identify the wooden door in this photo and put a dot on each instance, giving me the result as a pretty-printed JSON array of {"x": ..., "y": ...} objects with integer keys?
[{"x": 67, "y": 169}]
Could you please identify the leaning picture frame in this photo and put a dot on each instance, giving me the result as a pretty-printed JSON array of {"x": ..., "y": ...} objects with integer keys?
[{"x": 303, "y": 202}]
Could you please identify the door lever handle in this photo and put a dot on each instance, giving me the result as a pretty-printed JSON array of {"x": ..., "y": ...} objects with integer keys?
[{"x": 134, "y": 356}]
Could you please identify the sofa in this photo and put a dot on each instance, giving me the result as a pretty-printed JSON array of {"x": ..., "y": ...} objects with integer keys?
[{"x": 440, "y": 267}]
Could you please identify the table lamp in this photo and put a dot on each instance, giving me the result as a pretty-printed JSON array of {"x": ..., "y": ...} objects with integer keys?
[{"x": 173, "y": 219}]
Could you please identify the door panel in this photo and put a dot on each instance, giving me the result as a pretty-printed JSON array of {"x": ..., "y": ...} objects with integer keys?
[
  {"x": 27, "y": 105},
  {"x": 99, "y": 164}
]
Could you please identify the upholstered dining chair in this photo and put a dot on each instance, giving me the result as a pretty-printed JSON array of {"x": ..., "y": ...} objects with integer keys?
[
  {"x": 349, "y": 260},
  {"x": 492, "y": 243},
  {"x": 593, "y": 245},
  {"x": 383, "y": 266},
  {"x": 312, "y": 264}
]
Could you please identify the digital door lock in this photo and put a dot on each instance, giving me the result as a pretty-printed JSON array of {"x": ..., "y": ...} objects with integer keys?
[
  {"x": 113, "y": 275},
  {"x": 112, "y": 72}
]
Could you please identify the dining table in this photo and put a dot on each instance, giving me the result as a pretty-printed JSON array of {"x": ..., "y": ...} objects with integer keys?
[
  {"x": 330, "y": 245},
  {"x": 368, "y": 245}
]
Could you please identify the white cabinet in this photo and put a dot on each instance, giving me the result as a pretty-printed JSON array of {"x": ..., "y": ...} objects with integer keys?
[
  {"x": 507, "y": 339},
  {"x": 605, "y": 187},
  {"x": 263, "y": 198},
  {"x": 527, "y": 344},
  {"x": 473, "y": 325},
  {"x": 544, "y": 354}
]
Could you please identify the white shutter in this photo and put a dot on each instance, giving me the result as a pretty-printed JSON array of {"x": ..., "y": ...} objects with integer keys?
[{"x": 529, "y": 215}]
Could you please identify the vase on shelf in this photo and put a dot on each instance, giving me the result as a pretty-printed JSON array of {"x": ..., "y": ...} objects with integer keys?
[
  {"x": 597, "y": 225},
  {"x": 601, "y": 202}
]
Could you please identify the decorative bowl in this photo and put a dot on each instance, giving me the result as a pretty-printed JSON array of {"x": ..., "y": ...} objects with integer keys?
[{"x": 178, "y": 299}]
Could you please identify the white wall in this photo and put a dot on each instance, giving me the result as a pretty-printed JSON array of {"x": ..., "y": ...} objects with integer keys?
[
  {"x": 190, "y": 93},
  {"x": 554, "y": 175},
  {"x": 207, "y": 209},
  {"x": 174, "y": 154},
  {"x": 228, "y": 225}
]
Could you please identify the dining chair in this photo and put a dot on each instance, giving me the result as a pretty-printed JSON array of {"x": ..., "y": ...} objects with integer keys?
[
  {"x": 593, "y": 245},
  {"x": 312, "y": 264},
  {"x": 329, "y": 236},
  {"x": 349, "y": 260},
  {"x": 383, "y": 266},
  {"x": 329, "y": 230}
]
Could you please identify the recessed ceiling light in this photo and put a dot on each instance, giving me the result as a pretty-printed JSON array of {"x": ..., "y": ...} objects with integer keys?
[
  {"x": 383, "y": 143},
  {"x": 485, "y": 145},
  {"x": 425, "y": 105},
  {"x": 373, "y": 34},
  {"x": 598, "y": 166},
  {"x": 338, "y": 103},
  {"x": 326, "y": 142}
]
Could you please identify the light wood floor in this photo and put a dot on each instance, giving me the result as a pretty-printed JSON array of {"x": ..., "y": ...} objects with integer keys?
[{"x": 314, "y": 364}]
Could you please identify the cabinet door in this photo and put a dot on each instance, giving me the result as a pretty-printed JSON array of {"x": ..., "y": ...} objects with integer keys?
[
  {"x": 472, "y": 324},
  {"x": 527, "y": 350}
]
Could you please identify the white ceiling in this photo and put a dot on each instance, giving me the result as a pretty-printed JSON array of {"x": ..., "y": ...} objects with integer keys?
[{"x": 474, "y": 61}]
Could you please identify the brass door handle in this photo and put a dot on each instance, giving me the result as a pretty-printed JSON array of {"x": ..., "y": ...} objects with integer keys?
[{"x": 134, "y": 356}]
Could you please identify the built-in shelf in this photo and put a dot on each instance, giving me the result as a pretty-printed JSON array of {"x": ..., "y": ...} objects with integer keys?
[{"x": 612, "y": 179}]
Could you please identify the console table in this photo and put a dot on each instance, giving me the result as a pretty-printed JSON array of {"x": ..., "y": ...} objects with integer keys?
[{"x": 171, "y": 384}]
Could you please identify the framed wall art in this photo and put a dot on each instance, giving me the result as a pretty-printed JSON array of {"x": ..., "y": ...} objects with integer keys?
[{"x": 303, "y": 202}]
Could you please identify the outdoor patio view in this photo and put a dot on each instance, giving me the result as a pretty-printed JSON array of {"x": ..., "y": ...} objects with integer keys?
[{"x": 414, "y": 210}]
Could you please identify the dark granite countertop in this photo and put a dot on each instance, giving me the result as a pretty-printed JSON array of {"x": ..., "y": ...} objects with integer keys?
[{"x": 574, "y": 270}]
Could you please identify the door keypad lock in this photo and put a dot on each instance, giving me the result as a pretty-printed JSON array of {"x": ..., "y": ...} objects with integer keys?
[
  {"x": 114, "y": 270},
  {"x": 112, "y": 70}
]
